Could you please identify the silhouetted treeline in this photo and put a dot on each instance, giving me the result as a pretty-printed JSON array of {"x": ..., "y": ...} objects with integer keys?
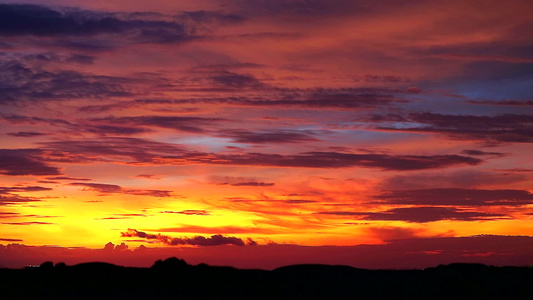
[{"x": 175, "y": 279}]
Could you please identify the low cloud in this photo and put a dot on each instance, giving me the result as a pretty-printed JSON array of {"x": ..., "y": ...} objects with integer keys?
[
  {"x": 188, "y": 212},
  {"x": 115, "y": 189},
  {"x": 491, "y": 129},
  {"x": 26, "y": 134},
  {"x": 423, "y": 214},
  {"x": 269, "y": 136},
  {"x": 28, "y": 223},
  {"x": 23, "y": 162},
  {"x": 456, "y": 197},
  {"x": 238, "y": 181},
  {"x": 430, "y": 214},
  {"x": 146, "y": 151},
  {"x": 214, "y": 240}
]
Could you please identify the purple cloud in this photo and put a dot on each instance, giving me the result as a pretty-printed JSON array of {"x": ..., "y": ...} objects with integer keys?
[
  {"x": 456, "y": 197},
  {"x": 115, "y": 189},
  {"x": 422, "y": 214},
  {"x": 24, "y": 162},
  {"x": 492, "y": 129},
  {"x": 214, "y": 240}
]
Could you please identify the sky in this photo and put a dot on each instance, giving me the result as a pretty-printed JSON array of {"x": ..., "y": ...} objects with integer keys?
[{"x": 377, "y": 134}]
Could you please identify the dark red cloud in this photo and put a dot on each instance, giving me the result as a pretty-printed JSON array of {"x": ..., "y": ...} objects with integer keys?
[
  {"x": 8, "y": 190},
  {"x": 185, "y": 124},
  {"x": 272, "y": 136},
  {"x": 188, "y": 212},
  {"x": 384, "y": 78},
  {"x": 144, "y": 151},
  {"x": 492, "y": 129},
  {"x": 422, "y": 214},
  {"x": 456, "y": 179},
  {"x": 343, "y": 160},
  {"x": 407, "y": 253},
  {"x": 230, "y": 80},
  {"x": 503, "y": 102},
  {"x": 389, "y": 233},
  {"x": 115, "y": 189},
  {"x": 198, "y": 20},
  {"x": 26, "y": 134},
  {"x": 133, "y": 149},
  {"x": 256, "y": 201},
  {"x": 11, "y": 199},
  {"x": 8, "y": 215},
  {"x": 237, "y": 181},
  {"x": 430, "y": 214},
  {"x": 68, "y": 178},
  {"x": 481, "y": 153},
  {"x": 23, "y": 82},
  {"x": 34, "y": 20},
  {"x": 10, "y": 240},
  {"x": 22, "y": 162},
  {"x": 8, "y": 196},
  {"x": 28, "y": 223},
  {"x": 219, "y": 230},
  {"x": 214, "y": 240},
  {"x": 121, "y": 217},
  {"x": 456, "y": 197}
]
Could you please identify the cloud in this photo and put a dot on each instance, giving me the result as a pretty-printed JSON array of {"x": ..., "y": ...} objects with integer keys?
[
  {"x": 113, "y": 130},
  {"x": 214, "y": 240},
  {"x": 188, "y": 212},
  {"x": 388, "y": 233},
  {"x": 121, "y": 216},
  {"x": 492, "y": 129},
  {"x": 456, "y": 197},
  {"x": 481, "y": 153},
  {"x": 28, "y": 223},
  {"x": 503, "y": 102},
  {"x": 22, "y": 82},
  {"x": 232, "y": 80},
  {"x": 316, "y": 98},
  {"x": 12, "y": 199},
  {"x": 68, "y": 178},
  {"x": 185, "y": 124},
  {"x": 343, "y": 160},
  {"x": 269, "y": 136},
  {"x": 454, "y": 179},
  {"x": 7, "y": 196},
  {"x": 423, "y": 214},
  {"x": 201, "y": 20},
  {"x": 81, "y": 59},
  {"x": 10, "y": 240},
  {"x": 23, "y": 162},
  {"x": 220, "y": 230},
  {"x": 26, "y": 134},
  {"x": 94, "y": 126},
  {"x": 35, "y": 20},
  {"x": 8, "y": 215},
  {"x": 149, "y": 176},
  {"x": 115, "y": 189},
  {"x": 410, "y": 253},
  {"x": 237, "y": 181},
  {"x": 384, "y": 78},
  {"x": 117, "y": 148},
  {"x": 430, "y": 214},
  {"x": 8, "y": 190},
  {"x": 144, "y": 151}
]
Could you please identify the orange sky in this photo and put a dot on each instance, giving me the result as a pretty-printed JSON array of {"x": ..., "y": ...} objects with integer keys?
[{"x": 233, "y": 125}]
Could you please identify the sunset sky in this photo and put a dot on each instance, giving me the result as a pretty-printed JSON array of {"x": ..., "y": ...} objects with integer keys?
[{"x": 261, "y": 133}]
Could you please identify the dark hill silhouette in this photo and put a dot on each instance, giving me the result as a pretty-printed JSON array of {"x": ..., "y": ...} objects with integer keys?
[{"x": 173, "y": 278}]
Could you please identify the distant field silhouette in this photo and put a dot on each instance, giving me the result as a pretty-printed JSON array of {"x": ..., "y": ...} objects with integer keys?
[{"x": 173, "y": 278}]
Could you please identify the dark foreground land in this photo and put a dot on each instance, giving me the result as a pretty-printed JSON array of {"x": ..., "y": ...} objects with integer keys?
[{"x": 174, "y": 279}]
